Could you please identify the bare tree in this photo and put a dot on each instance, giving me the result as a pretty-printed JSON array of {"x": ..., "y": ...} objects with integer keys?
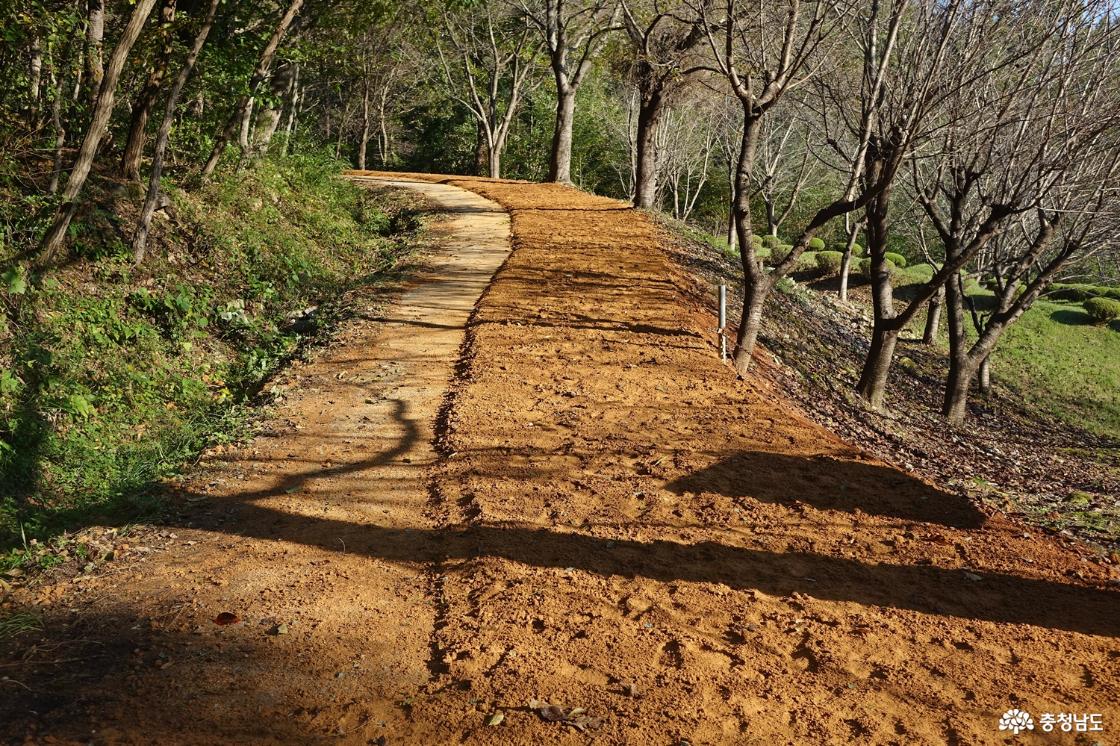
[
  {"x": 784, "y": 165},
  {"x": 573, "y": 32},
  {"x": 968, "y": 99},
  {"x": 944, "y": 51},
  {"x": 764, "y": 52},
  {"x": 690, "y": 140},
  {"x": 102, "y": 110},
  {"x": 1031, "y": 188},
  {"x": 487, "y": 69},
  {"x": 664, "y": 41}
]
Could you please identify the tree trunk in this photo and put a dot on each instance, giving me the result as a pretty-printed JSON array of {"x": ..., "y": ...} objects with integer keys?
[
  {"x": 243, "y": 131},
  {"x": 270, "y": 109},
  {"x": 140, "y": 240},
  {"x": 986, "y": 376},
  {"x": 933, "y": 317},
  {"x": 102, "y": 110},
  {"x": 384, "y": 145},
  {"x": 494, "y": 157},
  {"x": 35, "y": 82},
  {"x": 771, "y": 216},
  {"x": 846, "y": 262},
  {"x": 961, "y": 371},
  {"x": 560, "y": 160},
  {"x": 363, "y": 142},
  {"x": 873, "y": 380},
  {"x": 142, "y": 108},
  {"x": 95, "y": 44},
  {"x": 884, "y": 334},
  {"x": 294, "y": 101},
  {"x": 756, "y": 285},
  {"x": 481, "y": 149},
  {"x": 645, "y": 176},
  {"x": 264, "y": 64},
  {"x": 732, "y": 234},
  {"x": 59, "y": 130}
]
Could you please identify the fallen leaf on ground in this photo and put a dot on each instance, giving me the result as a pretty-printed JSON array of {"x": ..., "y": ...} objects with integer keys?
[
  {"x": 576, "y": 717},
  {"x": 226, "y": 618}
]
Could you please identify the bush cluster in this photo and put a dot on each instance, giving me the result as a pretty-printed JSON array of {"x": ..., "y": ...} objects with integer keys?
[
  {"x": 829, "y": 262},
  {"x": 1080, "y": 292},
  {"x": 897, "y": 260},
  {"x": 1102, "y": 310}
]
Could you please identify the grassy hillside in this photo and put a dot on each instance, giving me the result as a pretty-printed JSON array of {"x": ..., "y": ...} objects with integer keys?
[
  {"x": 112, "y": 377},
  {"x": 1059, "y": 361}
]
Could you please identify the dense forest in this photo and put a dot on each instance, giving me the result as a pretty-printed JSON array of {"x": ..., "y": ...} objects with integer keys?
[{"x": 967, "y": 151}]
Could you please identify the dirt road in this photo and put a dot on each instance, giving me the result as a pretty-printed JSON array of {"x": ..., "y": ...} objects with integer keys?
[
  {"x": 329, "y": 637},
  {"x": 600, "y": 515}
]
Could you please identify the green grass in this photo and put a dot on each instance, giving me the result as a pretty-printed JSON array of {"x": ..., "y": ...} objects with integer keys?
[
  {"x": 1053, "y": 358},
  {"x": 111, "y": 378},
  {"x": 1060, "y": 363}
]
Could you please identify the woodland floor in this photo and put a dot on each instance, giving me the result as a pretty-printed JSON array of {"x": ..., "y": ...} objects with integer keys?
[{"x": 580, "y": 507}]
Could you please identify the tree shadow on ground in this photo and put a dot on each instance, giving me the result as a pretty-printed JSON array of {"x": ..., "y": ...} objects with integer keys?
[
  {"x": 1072, "y": 317},
  {"x": 830, "y": 483},
  {"x": 995, "y": 597}
]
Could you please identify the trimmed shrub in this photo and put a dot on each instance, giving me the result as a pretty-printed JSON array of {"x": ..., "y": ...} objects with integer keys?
[
  {"x": 816, "y": 244},
  {"x": 857, "y": 250},
  {"x": 756, "y": 239},
  {"x": 897, "y": 260},
  {"x": 1103, "y": 310},
  {"x": 778, "y": 254},
  {"x": 915, "y": 274},
  {"x": 771, "y": 241},
  {"x": 1076, "y": 293},
  {"x": 865, "y": 267},
  {"x": 807, "y": 262},
  {"x": 762, "y": 253},
  {"x": 829, "y": 262}
]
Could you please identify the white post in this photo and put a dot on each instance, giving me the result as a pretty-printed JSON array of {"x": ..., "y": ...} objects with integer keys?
[{"x": 722, "y": 322}]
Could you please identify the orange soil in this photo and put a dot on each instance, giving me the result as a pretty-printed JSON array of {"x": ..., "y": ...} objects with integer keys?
[{"x": 616, "y": 522}]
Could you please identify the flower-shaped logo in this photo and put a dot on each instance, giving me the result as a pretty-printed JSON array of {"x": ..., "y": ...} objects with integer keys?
[{"x": 1016, "y": 721}]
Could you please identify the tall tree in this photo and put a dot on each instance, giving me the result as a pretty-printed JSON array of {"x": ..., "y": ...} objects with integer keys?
[
  {"x": 146, "y": 99},
  {"x": 102, "y": 110},
  {"x": 969, "y": 53},
  {"x": 1023, "y": 182},
  {"x": 487, "y": 66},
  {"x": 664, "y": 41},
  {"x": 151, "y": 201},
  {"x": 573, "y": 32},
  {"x": 763, "y": 52}
]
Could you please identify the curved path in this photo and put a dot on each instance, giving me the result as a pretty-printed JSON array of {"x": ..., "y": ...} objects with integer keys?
[
  {"x": 328, "y": 641},
  {"x": 609, "y": 521}
]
